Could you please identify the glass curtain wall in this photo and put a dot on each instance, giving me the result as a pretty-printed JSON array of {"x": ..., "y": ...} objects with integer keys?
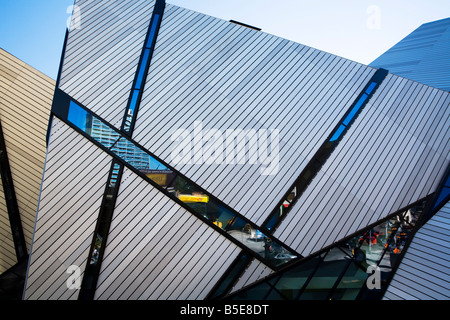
[{"x": 357, "y": 268}]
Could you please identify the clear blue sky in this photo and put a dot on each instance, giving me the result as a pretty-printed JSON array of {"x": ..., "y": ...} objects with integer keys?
[{"x": 360, "y": 30}]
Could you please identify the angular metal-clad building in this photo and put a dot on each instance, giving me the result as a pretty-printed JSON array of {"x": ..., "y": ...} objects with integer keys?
[
  {"x": 25, "y": 102},
  {"x": 195, "y": 158},
  {"x": 423, "y": 273},
  {"x": 422, "y": 55}
]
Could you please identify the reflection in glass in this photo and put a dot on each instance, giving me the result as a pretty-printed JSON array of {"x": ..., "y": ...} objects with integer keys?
[
  {"x": 278, "y": 214},
  {"x": 102, "y": 133},
  {"x": 131, "y": 110},
  {"x": 338, "y": 133},
  {"x": 368, "y": 247},
  {"x": 259, "y": 292},
  {"x": 80, "y": 117},
  {"x": 137, "y": 157},
  {"x": 371, "y": 87},
  {"x": 381, "y": 245},
  {"x": 355, "y": 110},
  {"x": 341, "y": 273}
]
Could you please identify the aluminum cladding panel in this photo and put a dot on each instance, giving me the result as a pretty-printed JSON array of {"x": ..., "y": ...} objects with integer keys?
[
  {"x": 424, "y": 271},
  {"x": 158, "y": 250},
  {"x": 399, "y": 138},
  {"x": 102, "y": 53},
  {"x": 72, "y": 190},
  {"x": 210, "y": 79},
  {"x": 422, "y": 56}
]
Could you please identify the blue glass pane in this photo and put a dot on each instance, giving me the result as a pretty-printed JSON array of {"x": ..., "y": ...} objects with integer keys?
[
  {"x": 152, "y": 33},
  {"x": 371, "y": 87},
  {"x": 114, "y": 175},
  {"x": 272, "y": 222},
  {"x": 355, "y": 109},
  {"x": 79, "y": 117},
  {"x": 133, "y": 102},
  {"x": 142, "y": 68},
  {"x": 444, "y": 194},
  {"x": 338, "y": 133},
  {"x": 351, "y": 283}
]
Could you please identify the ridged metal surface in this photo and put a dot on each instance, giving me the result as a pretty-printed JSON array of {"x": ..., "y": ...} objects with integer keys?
[
  {"x": 72, "y": 191},
  {"x": 25, "y": 101},
  {"x": 424, "y": 271},
  {"x": 213, "y": 74},
  {"x": 378, "y": 168},
  {"x": 102, "y": 55},
  {"x": 158, "y": 250},
  {"x": 423, "y": 55}
]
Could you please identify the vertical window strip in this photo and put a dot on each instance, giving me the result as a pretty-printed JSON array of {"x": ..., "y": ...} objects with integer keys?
[
  {"x": 142, "y": 70},
  {"x": 355, "y": 110},
  {"x": 338, "y": 133}
]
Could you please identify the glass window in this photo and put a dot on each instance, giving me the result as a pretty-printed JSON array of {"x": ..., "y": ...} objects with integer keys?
[
  {"x": 96, "y": 250},
  {"x": 332, "y": 266},
  {"x": 273, "y": 252},
  {"x": 292, "y": 281},
  {"x": 275, "y": 217},
  {"x": 338, "y": 133},
  {"x": 103, "y": 133},
  {"x": 152, "y": 32},
  {"x": 371, "y": 87},
  {"x": 79, "y": 117},
  {"x": 131, "y": 110},
  {"x": 256, "y": 293},
  {"x": 351, "y": 283},
  {"x": 142, "y": 68},
  {"x": 355, "y": 109},
  {"x": 114, "y": 175},
  {"x": 443, "y": 193},
  {"x": 368, "y": 247}
]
